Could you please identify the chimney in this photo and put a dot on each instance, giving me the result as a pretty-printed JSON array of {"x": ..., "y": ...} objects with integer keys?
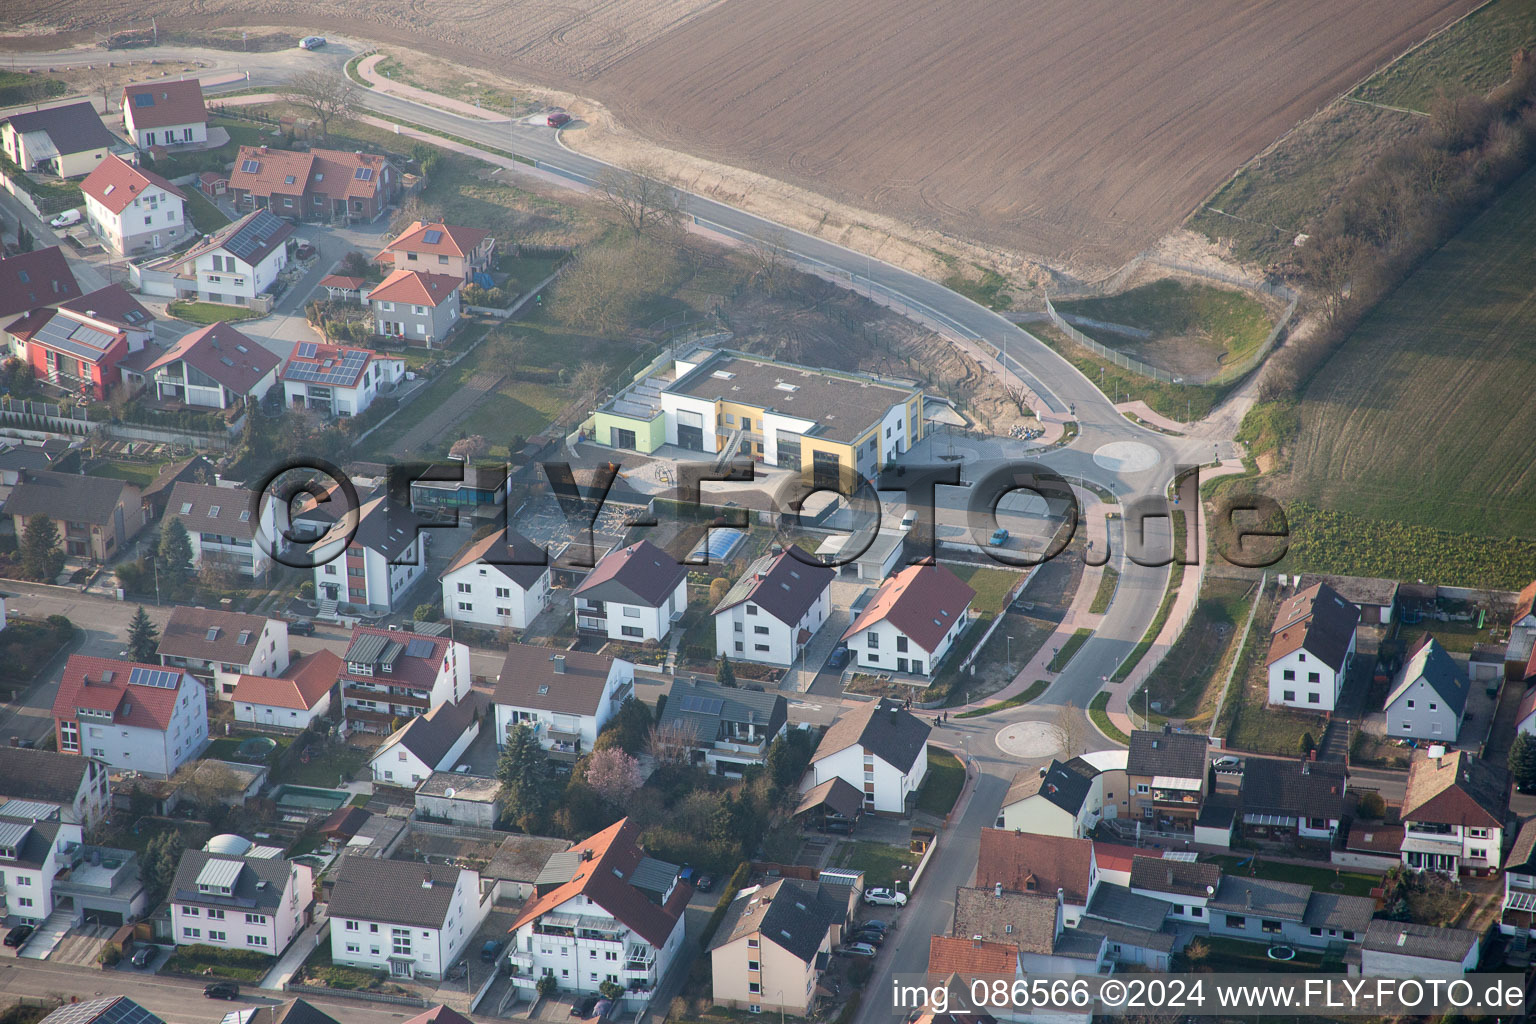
[
  {"x": 1306, "y": 767},
  {"x": 559, "y": 662},
  {"x": 1402, "y": 938},
  {"x": 426, "y": 879},
  {"x": 1170, "y": 874},
  {"x": 975, "y": 941},
  {"x": 1167, "y": 728},
  {"x": 997, "y": 890},
  {"x": 1248, "y": 898},
  {"x": 1061, "y": 896}
]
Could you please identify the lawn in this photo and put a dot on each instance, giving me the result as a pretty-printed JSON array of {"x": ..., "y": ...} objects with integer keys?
[
  {"x": 1036, "y": 688},
  {"x": 19, "y": 87},
  {"x": 1470, "y": 56},
  {"x": 319, "y": 970},
  {"x": 881, "y": 863},
  {"x": 1098, "y": 711},
  {"x": 1069, "y": 649},
  {"x": 452, "y": 81},
  {"x": 1108, "y": 582},
  {"x": 335, "y": 762},
  {"x": 1323, "y": 879},
  {"x": 1248, "y": 722},
  {"x": 1235, "y": 956},
  {"x": 523, "y": 272},
  {"x": 991, "y": 585},
  {"x": 942, "y": 783},
  {"x": 1425, "y": 406},
  {"x": 1186, "y": 682},
  {"x": 206, "y": 217},
  {"x": 209, "y": 312},
  {"x": 140, "y": 473},
  {"x": 459, "y": 191},
  {"x": 213, "y": 962},
  {"x": 1183, "y": 402},
  {"x": 1226, "y": 324}
]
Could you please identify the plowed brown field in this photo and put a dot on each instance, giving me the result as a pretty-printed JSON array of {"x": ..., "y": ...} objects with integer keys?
[{"x": 1076, "y": 130}]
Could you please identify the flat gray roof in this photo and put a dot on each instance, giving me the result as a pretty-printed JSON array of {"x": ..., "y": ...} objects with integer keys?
[{"x": 843, "y": 405}]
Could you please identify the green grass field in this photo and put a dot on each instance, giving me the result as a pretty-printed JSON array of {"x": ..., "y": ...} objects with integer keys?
[
  {"x": 1471, "y": 56},
  {"x": 1223, "y": 325},
  {"x": 1183, "y": 681},
  {"x": 1183, "y": 402},
  {"x": 991, "y": 586},
  {"x": 208, "y": 312},
  {"x": 1421, "y": 417},
  {"x": 206, "y": 217},
  {"x": 19, "y": 87},
  {"x": 140, "y": 473},
  {"x": 942, "y": 783}
]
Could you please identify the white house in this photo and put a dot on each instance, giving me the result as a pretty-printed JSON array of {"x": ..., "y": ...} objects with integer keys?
[
  {"x": 79, "y": 786},
  {"x": 237, "y": 262},
  {"x": 133, "y": 210},
  {"x": 252, "y": 903},
  {"x": 428, "y": 743},
  {"x": 606, "y": 912},
  {"x": 34, "y": 841},
  {"x": 499, "y": 581},
  {"x": 770, "y": 614},
  {"x": 881, "y": 749},
  {"x": 222, "y": 529},
  {"x": 1310, "y": 647},
  {"x": 413, "y": 920},
  {"x": 293, "y": 698},
  {"x": 373, "y": 566},
  {"x": 390, "y": 675},
  {"x": 1402, "y": 949},
  {"x": 337, "y": 380},
  {"x": 165, "y": 113},
  {"x": 1034, "y": 924},
  {"x": 1428, "y": 698},
  {"x": 633, "y": 594},
  {"x": 144, "y": 718},
  {"x": 1187, "y": 886},
  {"x": 216, "y": 367},
  {"x": 913, "y": 621},
  {"x": 565, "y": 697},
  {"x": 1453, "y": 814},
  {"x": 1057, "y": 800},
  {"x": 221, "y": 646},
  {"x": 1518, "y": 915}
]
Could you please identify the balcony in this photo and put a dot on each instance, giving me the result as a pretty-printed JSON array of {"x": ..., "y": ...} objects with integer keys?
[
  {"x": 745, "y": 747},
  {"x": 592, "y": 622},
  {"x": 404, "y": 698}
]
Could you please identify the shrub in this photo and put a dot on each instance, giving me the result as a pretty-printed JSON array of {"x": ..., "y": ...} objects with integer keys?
[
  {"x": 428, "y": 611},
  {"x": 307, "y": 590},
  {"x": 111, "y": 955},
  {"x": 1372, "y": 806},
  {"x": 548, "y": 986}
]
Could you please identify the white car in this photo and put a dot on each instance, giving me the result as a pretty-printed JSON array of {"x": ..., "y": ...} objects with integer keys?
[
  {"x": 1228, "y": 766},
  {"x": 312, "y": 43},
  {"x": 885, "y": 898},
  {"x": 68, "y": 218}
]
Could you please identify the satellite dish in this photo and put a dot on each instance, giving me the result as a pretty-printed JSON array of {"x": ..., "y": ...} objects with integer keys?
[
  {"x": 1210, "y": 890},
  {"x": 448, "y": 792}
]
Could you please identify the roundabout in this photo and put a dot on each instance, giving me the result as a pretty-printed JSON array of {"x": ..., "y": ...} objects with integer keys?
[
  {"x": 1029, "y": 740},
  {"x": 1126, "y": 456}
]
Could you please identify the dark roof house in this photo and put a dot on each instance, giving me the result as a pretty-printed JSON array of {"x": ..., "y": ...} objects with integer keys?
[
  {"x": 38, "y": 278},
  {"x": 640, "y": 574},
  {"x": 1179, "y": 755},
  {"x": 781, "y": 585},
  {"x": 1317, "y": 620},
  {"x": 882, "y": 727}
]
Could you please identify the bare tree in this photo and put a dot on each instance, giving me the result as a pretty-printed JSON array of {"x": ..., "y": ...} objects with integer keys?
[
  {"x": 640, "y": 199},
  {"x": 1019, "y": 397},
  {"x": 769, "y": 263},
  {"x": 411, "y": 211},
  {"x": 1069, "y": 720},
  {"x": 470, "y": 448},
  {"x": 325, "y": 95},
  {"x": 671, "y": 743},
  {"x": 589, "y": 377},
  {"x": 209, "y": 782}
]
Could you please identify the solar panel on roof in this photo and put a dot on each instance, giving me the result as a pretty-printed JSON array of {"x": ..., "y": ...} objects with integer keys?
[
  {"x": 151, "y": 677},
  {"x": 701, "y": 705},
  {"x": 308, "y": 349},
  {"x": 108, "y": 1010},
  {"x": 144, "y": 99},
  {"x": 432, "y": 237},
  {"x": 419, "y": 648},
  {"x": 251, "y": 166},
  {"x": 363, "y": 174}
]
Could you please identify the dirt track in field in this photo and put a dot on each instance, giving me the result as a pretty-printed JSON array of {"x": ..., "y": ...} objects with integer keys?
[{"x": 1076, "y": 132}]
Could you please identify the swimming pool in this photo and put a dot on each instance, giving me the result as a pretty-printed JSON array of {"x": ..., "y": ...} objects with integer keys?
[
  {"x": 718, "y": 544},
  {"x": 309, "y": 798}
]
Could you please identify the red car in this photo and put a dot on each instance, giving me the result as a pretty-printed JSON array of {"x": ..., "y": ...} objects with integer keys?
[{"x": 558, "y": 119}]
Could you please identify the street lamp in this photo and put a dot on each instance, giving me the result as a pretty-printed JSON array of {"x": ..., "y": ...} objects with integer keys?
[
  {"x": 1009, "y": 648},
  {"x": 781, "y": 1006}
]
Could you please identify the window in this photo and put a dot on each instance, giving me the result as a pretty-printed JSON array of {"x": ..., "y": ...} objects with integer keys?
[
  {"x": 465, "y": 588},
  {"x": 214, "y": 936},
  {"x": 1289, "y": 675},
  {"x": 401, "y": 941},
  {"x": 751, "y": 609},
  {"x": 1237, "y": 921},
  {"x": 1142, "y": 789},
  {"x": 256, "y": 940},
  {"x": 1288, "y": 695},
  {"x": 1270, "y": 927},
  {"x": 1410, "y": 705},
  {"x": 353, "y": 947},
  {"x": 466, "y": 606},
  {"x": 1433, "y": 706},
  {"x": 762, "y": 647},
  {"x": 873, "y": 643},
  {"x": 1196, "y": 911},
  {"x": 373, "y": 928},
  {"x": 901, "y": 644},
  {"x": 1313, "y": 677},
  {"x": 351, "y": 926},
  {"x": 754, "y": 987},
  {"x": 1477, "y": 833},
  {"x": 751, "y": 943},
  {"x": 632, "y": 630},
  {"x": 754, "y": 965},
  {"x": 192, "y": 933},
  {"x": 1314, "y": 698},
  {"x": 217, "y": 915},
  {"x": 190, "y": 911},
  {"x": 760, "y": 630},
  {"x": 503, "y": 591},
  {"x": 631, "y": 613},
  {"x": 255, "y": 919}
]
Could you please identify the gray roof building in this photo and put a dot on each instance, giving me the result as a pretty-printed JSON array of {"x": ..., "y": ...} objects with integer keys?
[
  {"x": 1180, "y": 755},
  {"x": 882, "y": 727},
  {"x": 1261, "y": 896},
  {"x": 1282, "y": 791},
  {"x": 240, "y": 883},
  {"x": 792, "y": 914},
  {"x": 1176, "y": 877},
  {"x": 708, "y": 709},
  {"x": 522, "y": 858},
  {"x": 781, "y": 585},
  {"x": 1405, "y": 938},
  {"x": 1432, "y": 664},
  {"x": 393, "y": 891},
  {"x": 84, "y": 499},
  {"x": 1117, "y": 903},
  {"x": 640, "y": 574},
  {"x": 27, "y": 774},
  {"x": 72, "y": 128},
  {"x": 208, "y": 634}
]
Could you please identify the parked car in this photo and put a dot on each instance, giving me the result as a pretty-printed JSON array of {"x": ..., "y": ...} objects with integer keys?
[
  {"x": 66, "y": 219},
  {"x": 857, "y": 949},
  {"x": 1228, "y": 765},
  {"x": 704, "y": 883},
  {"x": 558, "y": 119},
  {"x": 221, "y": 990},
  {"x": 490, "y": 949},
  {"x": 999, "y": 537},
  {"x": 312, "y": 43},
  {"x": 868, "y": 936},
  {"x": 18, "y": 935},
  {"x": 305, "y": 251},
  {"x": 583, "y": 1007},
  {"x": 143, "y": 955},
  {"x": 885, "y": 898},
  {"x": 873, "y": 924},
  {"x": 841, "y": 827},
  {"x": 303, "y": 627},
  {"x": 838, "y": 659}
]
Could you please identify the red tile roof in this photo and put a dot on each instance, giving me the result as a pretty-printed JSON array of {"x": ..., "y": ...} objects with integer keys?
[
  {"x": 452, "y": 240},
  {"x": 115, "y": 183},
  {"x": 169, "y": 103},
  {"x": 223, "y": 353},
  {"x": 971, "y": 958},
  {"x": 609, "y": 859},
  {"x": 1113, "y": 857},
  {"x": 1455, "y": 789},
  {"x": 301, "y": 687},
  {"x": 88, "y": 339},
  {"x": 342, "y": 281},
  {"x": 1024, "y": 862},
  {"x": 415, "y": 287},
  {"x": 38, "y": 278},
  {"x": 273, "y": 168},
  {"x": 329, "y": 172},
  {"x": 147, "y": 707},
  {"x": 923, "y": 601},
  {"x": 417, "y": 673},
  {"x": 1525, "y": 604}
]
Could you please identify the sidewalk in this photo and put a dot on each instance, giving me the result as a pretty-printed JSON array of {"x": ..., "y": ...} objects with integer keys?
[
  {"x": 1143, "y": 411},
  {"x": 1077, "y": 616},
  {"x": 298, "y": 950},
  {"x": 1178, "y": 615},
  {"x": 366, "y": 69}
]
